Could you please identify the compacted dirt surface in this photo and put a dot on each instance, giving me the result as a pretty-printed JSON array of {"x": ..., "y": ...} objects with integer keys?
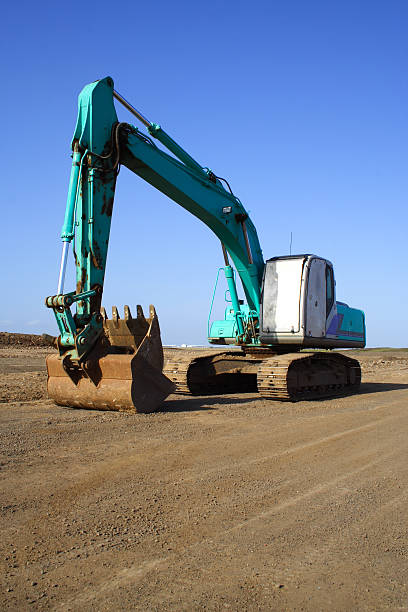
[{"x": 212, "y": 503}]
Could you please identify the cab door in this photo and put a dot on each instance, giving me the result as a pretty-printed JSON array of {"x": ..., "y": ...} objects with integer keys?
[
  {"x": 331, "y": 309},
  {"x": 316, "y": 299}
]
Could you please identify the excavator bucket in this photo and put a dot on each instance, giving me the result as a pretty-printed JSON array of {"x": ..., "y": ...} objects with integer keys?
[{"x": 123, "y": 372}]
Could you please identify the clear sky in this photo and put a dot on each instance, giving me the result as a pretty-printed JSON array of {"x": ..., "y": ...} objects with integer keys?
[{"x": 301, "y": 105}]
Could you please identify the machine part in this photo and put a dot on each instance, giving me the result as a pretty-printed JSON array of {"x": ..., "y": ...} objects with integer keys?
[
  {"x": 247, "y": 244},
  {"x": 225, "y": 254},
  {"x": 179, "y": 370},
  {"x": 299, "y": 309},
  {"x": 63, "y": 267},
  {"x": 123, "y": 372},
  {"x": 131, "y": 108},
  {"x": 308, "y": 376},
  {"x": 139, "y": 335},
  {"x": 288, "y": 377},
  {"x": 214, "y": 373}
]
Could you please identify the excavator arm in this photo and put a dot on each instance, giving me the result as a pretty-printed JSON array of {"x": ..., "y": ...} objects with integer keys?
[
  {"x": 100, "y": 144},
  {"x": 222, "y": 212},
  {"x": 118, "y": 364}
]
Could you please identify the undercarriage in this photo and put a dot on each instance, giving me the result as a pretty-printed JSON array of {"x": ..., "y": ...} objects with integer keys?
[{"x": 287, "y": 377}]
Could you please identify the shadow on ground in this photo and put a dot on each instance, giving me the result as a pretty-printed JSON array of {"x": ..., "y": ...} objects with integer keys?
[
  {"x": 371, "y": 387},
  {"x": 191, "y": 403}
]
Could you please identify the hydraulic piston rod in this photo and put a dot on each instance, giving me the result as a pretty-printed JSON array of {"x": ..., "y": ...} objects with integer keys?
[
  {"x": 67, "y": 232},
  {"x": 131, "y": 109},
  {"x": 156, "y": 131}
]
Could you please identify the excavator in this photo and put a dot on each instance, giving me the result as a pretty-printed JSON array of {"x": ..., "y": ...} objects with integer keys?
[{"x": 277, "y": 340}]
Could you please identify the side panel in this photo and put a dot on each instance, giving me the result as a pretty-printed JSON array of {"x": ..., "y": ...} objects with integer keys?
[
  {"x": 281, "y": 296},
  {"x": 224, "y": 331},
  {"x": 348, "y": 324}
]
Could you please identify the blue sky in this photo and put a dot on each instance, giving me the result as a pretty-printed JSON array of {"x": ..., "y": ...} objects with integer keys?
[{"x": 301, "y": 105}]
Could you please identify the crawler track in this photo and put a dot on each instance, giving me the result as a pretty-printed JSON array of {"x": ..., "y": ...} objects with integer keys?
[
  {"x": 177, "y": 369},
  {"x": 290, "y": 377},
  {"x": 211, "y": 373},
  {"x": 300, "y": 376}
]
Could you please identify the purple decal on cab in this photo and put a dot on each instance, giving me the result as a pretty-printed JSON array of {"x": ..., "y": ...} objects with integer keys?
[{"x": 335, "y": 324}]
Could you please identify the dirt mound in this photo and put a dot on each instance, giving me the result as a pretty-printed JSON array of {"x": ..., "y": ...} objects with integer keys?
[
  {"x": 10, "y": 339},
  {"x": 23, "y": 388}
]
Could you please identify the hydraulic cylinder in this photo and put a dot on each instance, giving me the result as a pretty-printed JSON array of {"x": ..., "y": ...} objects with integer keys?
[{"x": 229, "y": 275}]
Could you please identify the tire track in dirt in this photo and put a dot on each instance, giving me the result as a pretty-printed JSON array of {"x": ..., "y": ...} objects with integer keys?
[
  {"x": 295, "y": 489},
  {"x": 138, "y": 572},
  {"x": 96, "y": 476}
]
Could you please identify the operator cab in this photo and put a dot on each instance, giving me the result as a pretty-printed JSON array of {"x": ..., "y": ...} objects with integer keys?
[{"x": 298, "y": 306}]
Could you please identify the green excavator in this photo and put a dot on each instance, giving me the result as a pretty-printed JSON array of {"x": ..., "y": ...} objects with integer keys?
[{"x": 289, "y": 305}]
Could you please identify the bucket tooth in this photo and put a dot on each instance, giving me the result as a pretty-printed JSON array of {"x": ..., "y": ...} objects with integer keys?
[
  {"x": 140, "y": 313},
  {"x": 103, "y": 313},
  {"x": 115, "y": 315},
  {"x": 128, "y": 314}
]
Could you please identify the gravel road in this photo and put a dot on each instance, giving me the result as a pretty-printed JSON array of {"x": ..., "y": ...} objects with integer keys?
[{"x": 213, "y": 503}]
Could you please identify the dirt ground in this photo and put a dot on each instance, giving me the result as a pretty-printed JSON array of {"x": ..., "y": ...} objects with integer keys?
[{"x": 212, "y": 503}]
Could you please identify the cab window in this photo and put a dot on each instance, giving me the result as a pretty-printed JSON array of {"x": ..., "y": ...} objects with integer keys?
[{"x": 329, "y": 289}]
